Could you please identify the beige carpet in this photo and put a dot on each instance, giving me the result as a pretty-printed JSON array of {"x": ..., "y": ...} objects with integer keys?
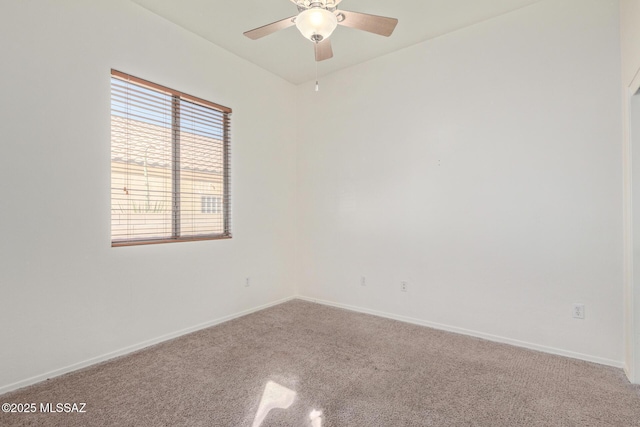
[{"x": 332, "y": 367}]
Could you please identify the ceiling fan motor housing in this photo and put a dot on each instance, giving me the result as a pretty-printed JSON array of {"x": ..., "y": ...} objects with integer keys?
[{"x": 330, "y": 5}]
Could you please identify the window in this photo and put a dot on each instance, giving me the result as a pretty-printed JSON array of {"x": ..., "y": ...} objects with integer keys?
[
  {"x": 211, "y": 204},
  {"x": 169, "y": 165}
]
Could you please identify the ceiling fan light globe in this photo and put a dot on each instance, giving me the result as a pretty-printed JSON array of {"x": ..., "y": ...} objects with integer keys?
[{"x": 316, "y": 22}]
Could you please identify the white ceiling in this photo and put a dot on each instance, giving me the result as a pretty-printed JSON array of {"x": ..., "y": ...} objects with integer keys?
[{"x": 287, "y": 54}]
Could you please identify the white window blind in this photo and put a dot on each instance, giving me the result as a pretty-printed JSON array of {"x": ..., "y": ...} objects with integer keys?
[{"x": 169, "y": 158}]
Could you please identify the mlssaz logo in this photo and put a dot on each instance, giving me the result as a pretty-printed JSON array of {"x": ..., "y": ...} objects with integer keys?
[{"x": 63, "y": 407}]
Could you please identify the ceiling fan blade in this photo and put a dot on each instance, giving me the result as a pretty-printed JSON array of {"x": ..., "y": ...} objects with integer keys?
[
  {"x": 323, "y": 50},
  {"x": 371, "y": 23},
  {"x": 265, "y": 30}
]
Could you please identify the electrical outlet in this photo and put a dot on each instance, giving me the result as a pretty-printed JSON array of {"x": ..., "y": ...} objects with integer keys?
[
  {"x": 404, "y": 286},
  {"x": 363, "y": 281},
  {"x": 578, "y": 311},
  {"x": 247, "y": 282}
]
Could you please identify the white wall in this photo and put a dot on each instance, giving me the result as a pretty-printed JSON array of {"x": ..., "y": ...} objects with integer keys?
[
  {"x": 66, "y": 296},
  {"x": 630, "y": 39},
  {"x": 483, "y": 167},
  {"x": 630, "y": 51}
]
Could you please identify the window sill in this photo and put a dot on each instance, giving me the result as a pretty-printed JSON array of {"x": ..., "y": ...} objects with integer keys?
[{"x": 159, "y": 241}]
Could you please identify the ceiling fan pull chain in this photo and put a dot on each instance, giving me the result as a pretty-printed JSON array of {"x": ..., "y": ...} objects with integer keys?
[{"x": 317, "y": 86}]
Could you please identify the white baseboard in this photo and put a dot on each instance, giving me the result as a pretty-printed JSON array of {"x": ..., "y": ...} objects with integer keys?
[
  {"x": 132, "y": 348},
  {"x": 495, "y": 338},
  {"x": 139, "y": 346}
]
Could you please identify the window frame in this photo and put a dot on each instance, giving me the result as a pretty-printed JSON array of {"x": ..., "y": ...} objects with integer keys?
[{"x": 175, "y": 143}]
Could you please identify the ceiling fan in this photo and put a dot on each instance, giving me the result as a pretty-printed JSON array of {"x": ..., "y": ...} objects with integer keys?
[{"x": 316, "y": 20}]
